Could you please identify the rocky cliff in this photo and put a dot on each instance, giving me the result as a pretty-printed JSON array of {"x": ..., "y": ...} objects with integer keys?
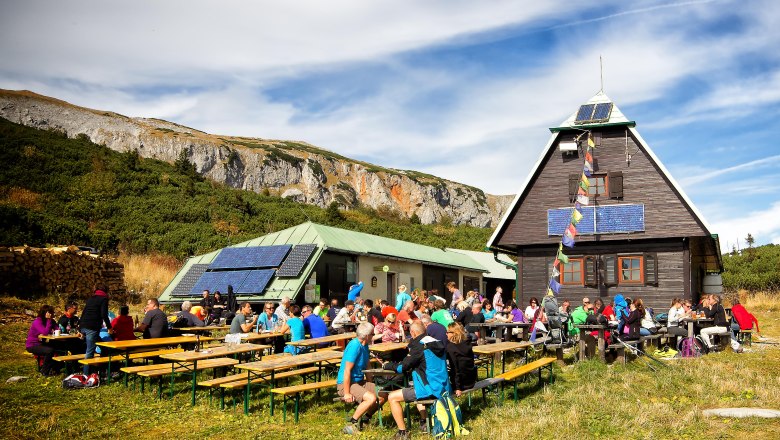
[{"x": 295, "y": 170}]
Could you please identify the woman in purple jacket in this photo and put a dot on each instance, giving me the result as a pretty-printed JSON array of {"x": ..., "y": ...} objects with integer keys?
[{"x": 43, "y": 325}]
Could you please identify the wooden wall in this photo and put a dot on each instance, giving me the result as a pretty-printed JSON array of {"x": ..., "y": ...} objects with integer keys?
[{"x": 666, "y": 215}]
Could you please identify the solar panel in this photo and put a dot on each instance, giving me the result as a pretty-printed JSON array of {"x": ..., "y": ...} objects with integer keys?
[
  {"x": 609, "y": 219},
  {"x": 208, "y": 280},
  {"x": 232, "y": 278},
  {"x": 255, "y": 282},
  {"x": 296, "y": 260},
  {"x": 250, "y": 257},
  {"x": 585, "y": 112},
  {"x": 602, "y": 111},
  {"x": 187, "y": 282}
]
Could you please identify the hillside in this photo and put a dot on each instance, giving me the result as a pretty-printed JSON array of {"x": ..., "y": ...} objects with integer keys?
[
  {"x": 293, "y": 170},
  {"x": 54, "y": 189}
]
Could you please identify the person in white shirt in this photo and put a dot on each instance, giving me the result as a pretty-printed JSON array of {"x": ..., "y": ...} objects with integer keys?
[
  {"x": 282, "y": 314},
  {"x": 673, "y": 319},
  {"x": 344, "y": 316}
]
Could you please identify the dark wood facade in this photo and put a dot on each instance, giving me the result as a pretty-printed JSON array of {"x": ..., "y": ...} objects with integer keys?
[{"x": 676, "y": 246}]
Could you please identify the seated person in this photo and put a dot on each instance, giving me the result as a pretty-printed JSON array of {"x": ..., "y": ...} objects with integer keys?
[
  {"x": 647, "y": 325},
  {"x": 744, "y": 319},
  {"x": 123, "y": 325},
  {"x": 69, "y": 322},
  {"x": 674, "y": 319},
  {"x": 460, "y": 357},
  {"x": 206, "y": 304},
  {"x": 350, "y": 382},
  {"x": 387, "y": 331},
  {"x": 218, "y": 307},
  {"x": 294, "y": 326},
  {"x": 192, "y": 320},
  {"x": 580, "y": 315},
  {"x": 344, "y": 316},
  {"x": 633, "y": 322},
  {"x": 267, "y": 321},
  {"x": 313, "y": 324},
  {"x": 488, "y": 312},
  {"x": 334, "y": 309},
  {"x": 441, "y": 314},
  {"x": 714, "y": 310},
  {"x": 322, "y": 309},
  {"x": 427, "y": 362},
  {"x": 43, "y": 325},
  {"x": 155, "y": 323},
  {"x": 374, "y": 315},
  {"x": 241, "y": 322}
]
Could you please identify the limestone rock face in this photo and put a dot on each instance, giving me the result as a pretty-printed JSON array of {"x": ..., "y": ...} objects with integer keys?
[{"x": 295, "y": 170}]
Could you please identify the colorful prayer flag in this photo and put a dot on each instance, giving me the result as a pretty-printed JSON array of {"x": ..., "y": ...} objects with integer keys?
[
  {"x": 576, "y": 216},
  {"x": 591, "y": 142},
  {"x": 577, "y": 206},
  {"x": 588, "y": 157},
  {"x": 561, "y": 256},
  {"x": 556, "y": 263},
  {"x": 583, "y": 200},
  {"x": 567, "y": 241},
  {"x": 555, "y": 271},
  {"x": 583, "y": 184},
  {"x": 582, "y": 191},
  {"x": 554, "y": 285},
  {"x": 571, "y": 231},
  {"x": 586, "y": 172},
  {"x": 549, "y": 292},
  {"x": 584, "y": 179},
  {"x": 533, "y": 332}
]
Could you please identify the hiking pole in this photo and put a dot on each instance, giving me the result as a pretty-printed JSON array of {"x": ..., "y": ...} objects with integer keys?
[{"x": 639, "y": 352}]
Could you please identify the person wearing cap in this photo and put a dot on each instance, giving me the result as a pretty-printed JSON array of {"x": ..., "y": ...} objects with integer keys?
[{"x": 344, "y": 317}]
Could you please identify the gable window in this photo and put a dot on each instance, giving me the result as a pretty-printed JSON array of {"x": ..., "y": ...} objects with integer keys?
[
  {"x": 631, "y": 270},
  {"x": 572, "y": 272},
  {"x": 598, "y": 185}
]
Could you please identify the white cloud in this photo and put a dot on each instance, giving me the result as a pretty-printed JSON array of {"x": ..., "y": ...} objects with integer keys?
[
  {"x": 693, "y": 178},
  {"x": 732, "y": 227}
]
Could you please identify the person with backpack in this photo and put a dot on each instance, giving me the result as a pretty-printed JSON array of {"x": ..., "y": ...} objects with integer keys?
[
  {"x": 188, "y": 318},
  {"x": 428, "y": 365}
]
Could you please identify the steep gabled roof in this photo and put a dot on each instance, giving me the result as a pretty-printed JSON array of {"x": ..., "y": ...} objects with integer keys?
[{"x": 617, "y": 118}]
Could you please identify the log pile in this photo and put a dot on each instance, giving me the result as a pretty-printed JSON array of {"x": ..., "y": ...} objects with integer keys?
[{"x": 66, "y": 271}]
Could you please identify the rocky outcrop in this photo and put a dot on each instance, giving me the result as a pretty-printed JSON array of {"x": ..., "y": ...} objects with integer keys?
[{"x": 296, "y": 170}]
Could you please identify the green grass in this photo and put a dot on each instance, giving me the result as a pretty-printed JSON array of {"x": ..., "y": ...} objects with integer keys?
[{"x": 587, "y": 400}]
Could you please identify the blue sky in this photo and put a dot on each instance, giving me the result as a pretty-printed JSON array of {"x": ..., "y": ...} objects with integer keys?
[{"x": 460, "y": 89}]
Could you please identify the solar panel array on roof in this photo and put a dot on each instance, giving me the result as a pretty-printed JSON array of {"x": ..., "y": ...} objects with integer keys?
[
  {"x": 250, "y": 257},
  {"x": 255, "y": 282},
  {"x": 296, "y": 260},
  {"x": 184, "y": 288},
  {"x": 590, "y": 113},
  {"x": 208, "y": 280}
]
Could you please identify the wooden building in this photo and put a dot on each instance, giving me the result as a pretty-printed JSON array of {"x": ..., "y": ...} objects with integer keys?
[{"x": 640, "y": 234}]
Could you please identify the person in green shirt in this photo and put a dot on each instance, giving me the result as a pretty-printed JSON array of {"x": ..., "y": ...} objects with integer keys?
[
  {"x": 441, "y": 314},
  {"x": 580, "y": 315}
]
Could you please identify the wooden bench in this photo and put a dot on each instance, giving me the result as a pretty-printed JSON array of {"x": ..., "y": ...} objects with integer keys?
[
  {"x": 238, "y": 381},
  {"x": 165, "y": 369},
  {"x": 620, "y": 349},
  {"x": 514, "y": 374},
  {"x": 145, "y": 355},
  {"x": 70, "y": 360},
  {"x": 558, "y": 348},
  {"x": 655, "y": 340},
  {"x": 482, "y": 385},
  {"x": 724, "y": 339},
  {"x": 745, "y": 337},
  {"x": 296, "y": 390}
]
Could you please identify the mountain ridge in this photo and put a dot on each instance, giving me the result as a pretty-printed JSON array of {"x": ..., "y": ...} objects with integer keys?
[{"x": 292, "y": 169}]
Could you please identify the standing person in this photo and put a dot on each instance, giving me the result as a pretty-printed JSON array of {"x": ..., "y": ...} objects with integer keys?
[
  {"x": 401, "y": 297},
  {"x": 123, "y": 325},
  {"x": 92, "y": 320},
  {"x": 717, "y": 313},
  {"x": 207, "y": 302},
  {"x": 350, "y": 382},
  {"x": 354, "y": 291},
  {"x": 460, "y": 356},
  {"x": 428, "y": 364},
  {"x": 294, "y": 325},
  {"x": 456, "y": 295},
  {"x": 634, "y": 320},
  {"x": 43, "y": 324},
  {"x": 241, "y": 322},
  {"x": 498, "y": 299},
  {"x": 155, "y": 323}
]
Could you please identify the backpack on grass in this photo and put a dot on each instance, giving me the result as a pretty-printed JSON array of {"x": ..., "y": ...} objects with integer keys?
[
  {"x": 446, "y": 418},
  {"x": 77, "y": 381}
]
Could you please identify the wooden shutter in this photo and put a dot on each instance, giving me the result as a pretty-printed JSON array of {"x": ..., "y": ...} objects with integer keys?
[
  {"x": 615, "y": 184},
  {"x": 597, "y": 138},
  {"x": 651, "y": 269},
  {"x": 591, "y": 274},
  {"x": 574, "y": 183},
  {"x": 608, "y": 270}
]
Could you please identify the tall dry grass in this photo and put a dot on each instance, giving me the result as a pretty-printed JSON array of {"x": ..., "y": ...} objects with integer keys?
[{"x": 148, "y": 275}]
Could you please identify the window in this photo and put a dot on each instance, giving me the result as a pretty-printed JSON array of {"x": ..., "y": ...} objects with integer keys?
[
  {"x": 598, "y": 185},
  {"x": 571, "y": 272},
  {"x": 631, "y": 270}
]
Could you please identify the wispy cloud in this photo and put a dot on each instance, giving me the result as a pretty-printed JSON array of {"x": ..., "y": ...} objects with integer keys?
[{"x": 690, "y": 180}]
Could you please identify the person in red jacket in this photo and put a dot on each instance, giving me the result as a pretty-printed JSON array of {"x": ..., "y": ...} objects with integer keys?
[
  {"x": 744, "y": 318},
  {"x": 123, "y": 325}
]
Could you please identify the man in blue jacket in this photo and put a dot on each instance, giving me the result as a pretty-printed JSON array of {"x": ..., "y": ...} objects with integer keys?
[{"x": 427, "y": 361}]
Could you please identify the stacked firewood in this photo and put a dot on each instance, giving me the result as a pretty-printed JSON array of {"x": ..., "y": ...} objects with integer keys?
[{"x": 66, "y": 271}]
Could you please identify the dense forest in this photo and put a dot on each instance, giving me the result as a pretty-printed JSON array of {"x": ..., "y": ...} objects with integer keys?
[
  {"x": 55, "y": 190},
  {"x": 753, "y": 269}
]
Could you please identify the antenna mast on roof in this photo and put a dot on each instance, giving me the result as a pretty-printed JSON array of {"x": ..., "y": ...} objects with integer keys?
[{"x": 601, "y": 73}]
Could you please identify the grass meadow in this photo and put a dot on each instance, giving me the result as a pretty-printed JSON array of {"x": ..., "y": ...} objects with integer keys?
[{"x": 588, "y": 399}]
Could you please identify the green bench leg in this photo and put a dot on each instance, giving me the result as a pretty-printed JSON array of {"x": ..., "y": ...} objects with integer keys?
[
  {"x": 284, "y": 408},
  {"x": 297, "y": 399}
]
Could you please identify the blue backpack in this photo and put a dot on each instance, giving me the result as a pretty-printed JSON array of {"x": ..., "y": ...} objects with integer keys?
[{"x": 446, "y": 418}]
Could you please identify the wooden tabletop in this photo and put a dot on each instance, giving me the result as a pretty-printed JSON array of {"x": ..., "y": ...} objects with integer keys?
[
  {"x": 153, "y": 342},
  {"x": 212, "y": 352},
  {"x": 499, "y": 347},
  {"x": 501, "y": 324},
  {"x": 263, "y": 366},
  {"x": 324, "y": 339},
  {"x": 385, "y": 347},
  {"x": 207, "y": 328},
  {"x": 47, "y": 338},
  {"x": 260, "y": 336}
]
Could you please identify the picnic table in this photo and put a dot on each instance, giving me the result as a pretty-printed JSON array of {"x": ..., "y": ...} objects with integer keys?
[
  {"x": 601, "y": 329},
  {"x": 126, "y": 347},
  {"x": 268, "y": 368},
  {"x": 700, "y": 321},
  {"x": 502, "y": 328},
  {"x": 384, "y": 379},
  {"x": 188, "y": 360},
  {"x": 205, "y": 329},
  {"x": 250, "y": 337},
  {"x": 52, "y": 338},
  {"x": 314, "y": 342},
  {"x": 386, "y": 347},
  {"x": 499, "y": 347}
]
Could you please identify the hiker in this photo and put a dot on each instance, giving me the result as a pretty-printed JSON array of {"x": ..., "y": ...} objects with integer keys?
[
  {"x": 744, "y": 319},
  {"x": 401, "y": 298},
  {"x": 354, "y": 291},
  {"x": 498, "y": 299},
  {"x": 713, "y": 309},
  {"x": 155, "y": 323},
  {"x": 92, "y": 320},
  {"x": 43, "y": 324},
  {"x": 350, "y": 382},
  {"x": 460, "y": 357},
  {"x": 674, "y": 319},
  {"x": 428, "y": 364}
]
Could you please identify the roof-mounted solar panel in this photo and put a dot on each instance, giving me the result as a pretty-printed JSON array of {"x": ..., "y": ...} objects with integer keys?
[
  {"x": 233, "y": 278},
  {"x": 209, "y": 280},
  {"x": 187, "y": 282},
  {"x": 253, "y": 257},
  {"x": 602, "y": 112},
  {"x": 255, "y": 282},
  {"x": 585, "y": 113},
  {"x": 296, "y": 260}
]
